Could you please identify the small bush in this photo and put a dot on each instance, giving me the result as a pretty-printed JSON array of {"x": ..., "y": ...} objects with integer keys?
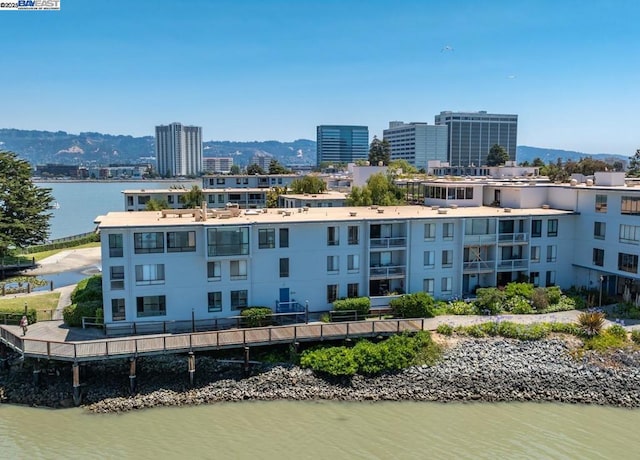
[
  {"x": 519, "y": 289},
  {"x": 489, "y": 300},
  {"x": 554, "y": 293},
  {"x": 540, "y": 299},
  {"x": 256, "y": 316},
  {"x": 88, "y": 289},
  {"x": 460, "y": 307},
  {"x": 635, "y": 336},
  {"x": 605, "y": 341},
  {"x": 417, "y": 305},
  {"x": 564, "y": 304},
  {"x": 591, "y": 322},
  {"x": 444, "y": 329},
  {"x": 475, "y": 331},
  {"x": 72, "y": 314},
  {"x": 361, "y": 305},
  {"x": 617, "y": 330},
  {"x": 337, "y": 361},
  {"x": 566, "y": 328},
  {"x": 14, "y": 315},
  {"x": 518, "y": 305}
]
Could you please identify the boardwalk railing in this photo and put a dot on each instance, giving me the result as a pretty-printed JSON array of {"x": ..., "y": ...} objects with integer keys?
[{"x": 214, "y": 340}]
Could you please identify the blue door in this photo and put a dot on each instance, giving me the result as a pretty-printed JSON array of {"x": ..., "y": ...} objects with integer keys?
[{"x": 284, "y": 300}]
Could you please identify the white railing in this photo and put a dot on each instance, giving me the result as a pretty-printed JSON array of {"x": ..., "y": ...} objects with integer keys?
[
  {"x": 388, "y": 242},
  {"x": 389, "y": 271}
]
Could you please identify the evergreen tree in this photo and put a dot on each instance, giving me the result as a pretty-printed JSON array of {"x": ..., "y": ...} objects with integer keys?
[
  {"x": 254, "y": 169},
  {"x": 193, "y": 198},
  {"x": 156, "y": 205},
  {"x": 497, "y": 156},
  {"x": 24, "y": 216},
  {"x": 308, "y": 184},
  {"x": 276, "y": 168},
  {"x": 634, "y": 165},
  {"x": 379, "y": 151}
]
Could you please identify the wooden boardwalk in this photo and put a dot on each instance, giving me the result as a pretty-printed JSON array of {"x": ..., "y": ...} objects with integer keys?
[{"x": 134, "y": 346}]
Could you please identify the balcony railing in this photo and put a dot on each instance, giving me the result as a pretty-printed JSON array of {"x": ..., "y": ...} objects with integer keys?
[
  {"x": 514, "y": 264},
  {"x": 479, "y": 265},
  {"x": 513, "y": 237},
  {"x": 393, "y": 242},
  {"x": 479, "y": 239},
  {"x": 388, "y": 271}
]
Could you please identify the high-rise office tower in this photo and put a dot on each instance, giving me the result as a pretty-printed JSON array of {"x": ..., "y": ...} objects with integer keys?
[
  {"x": 179, "y": 150},
  {"x": 342, "y": 144},
  {"x": 472, "y": 134},
  {"x": 417, "y": 143}
]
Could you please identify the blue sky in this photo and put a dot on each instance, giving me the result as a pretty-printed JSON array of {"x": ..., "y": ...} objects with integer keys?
[{"x": 260, "y": 70}]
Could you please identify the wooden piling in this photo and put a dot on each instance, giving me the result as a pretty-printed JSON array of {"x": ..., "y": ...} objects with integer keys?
[
  {"x": 77, "y": 395},
  {"x": 132, "y": 376},
  {"x": 192, "y": 367},
  {"x": 247, "y": 368}
]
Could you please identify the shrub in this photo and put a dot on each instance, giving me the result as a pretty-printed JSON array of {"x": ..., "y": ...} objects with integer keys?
[
  {"x": 554, "y": 293},
  {"x": 540, "y": 299},
  {"x": 518, "y": 305},
  {"x": 591, "y": 322},
  {"x": 417, "y": 305},
  {"x": 635, "y": 336},
  {"x": 73, "y": 313},
  {"x": 460, "y": 307},
  {"x": 13, "y": 315},
  {"x": 360, "y": 305},
  {"x": 565, "y": 303},
  {"x": 489, "y": 300},
  {"x": 617, "y": 330},
  {"x": 88, "y": 289},
  {"x": 566, "y": 328},
  {"x": 605, "y": 341},
  {"x": 475, "y": 331},
  {"x": 337, "y": 361},
  {"x": 256, "y": 316},
  {"x": 444, "y": 329},
  {"x": 519, "y": 289}
]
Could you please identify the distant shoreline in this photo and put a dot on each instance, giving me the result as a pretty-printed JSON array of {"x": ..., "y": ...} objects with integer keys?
[{"x": 41, "y": 180}]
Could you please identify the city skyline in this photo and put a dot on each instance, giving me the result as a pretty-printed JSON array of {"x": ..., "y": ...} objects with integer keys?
[{"x": 275, "y": 70}]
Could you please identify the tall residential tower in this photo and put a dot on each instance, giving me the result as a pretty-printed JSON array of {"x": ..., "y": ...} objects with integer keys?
[
  {"x": 472, "y": 134},
  {"x": 179, "y": 150},
  {"x": 342, "y": 144}
]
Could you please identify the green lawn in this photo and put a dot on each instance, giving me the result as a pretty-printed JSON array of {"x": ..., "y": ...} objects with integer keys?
[
  {"x": 43, "y": 303},
  {"x": 43, "y": 255}
]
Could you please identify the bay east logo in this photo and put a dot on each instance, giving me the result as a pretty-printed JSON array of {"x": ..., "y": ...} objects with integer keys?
[{"x": 30, "y": 5}]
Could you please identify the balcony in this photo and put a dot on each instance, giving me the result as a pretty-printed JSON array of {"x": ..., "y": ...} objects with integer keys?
[
  {"x": 513, "y": 238},
  {"x": 389, "y": 242},
  {"x": 479, "y": 240},
  {"x": 514, "y": 264},
  {"x": 387, "y": 272},
  {"x": 479, "y": 266}
]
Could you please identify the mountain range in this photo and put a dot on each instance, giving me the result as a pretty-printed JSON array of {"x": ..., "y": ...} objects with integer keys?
[{"x": 88, "y": 149}]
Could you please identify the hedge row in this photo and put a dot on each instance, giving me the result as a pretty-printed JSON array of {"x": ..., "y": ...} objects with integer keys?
[{"x": 94, "y": 237}]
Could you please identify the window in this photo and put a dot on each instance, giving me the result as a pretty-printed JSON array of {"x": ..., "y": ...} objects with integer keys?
[
  {"x": 479, "y": 227},
  {"x": 153, "y": 305},
  {"x": 630, "y": 205},
  {"x": 332, "y": 264},
  {"x": 239, "y": 299},
  {"x": 181, "y": 241},
  {"x": 601, "y": 203},
  {"x": 115, "y": 245},
  {"x": 118, "y": 312},
  {"x": 536, "y": 228},
  {"x": 116, "y": 275},
  {"x": 332, "y": 292},
  {"x": 228, "y": 241},
  {"x": 214, "y": 301},
  {"x": 284, "y": 237},
  {"x": 598, "y": 257},
  {"x": 353, "y": 263},
  {"x": 284, "y": 267},
  {"x": 429, "y": 231},
  {"x": 627, "y": 262},
  {"x": 144, "y": 199},
  {"x": 599, "y": 230},
  {"x": 266, "y": 238},
  {"x": 150, "y": 274},
  {"x": 447, "y": 231},
  {"x": 629, "y": 234},
  {"x": 428, "y": 285},
  {"x": 552, "y": 227},
  {"x": 353, "y": 234},
  {"x": 151, "y": 242},
  {"x": 220, "y": 180},
  {"x": 550, "y": 278},
  {"x": 238, "y": 269},
  {"x": 534, "y": 278},
  {"x": 447, "y": 258},
  {"x": 333, "y": 236},
  {"x": 214, "y": 272},
  {"x": 535, "y": 253},
  {"x": 429, "y": 259},
  {"x": 352, "y": 290},
  {"x": 447, "y": 285},
  {"x": 552, "y": 253}
]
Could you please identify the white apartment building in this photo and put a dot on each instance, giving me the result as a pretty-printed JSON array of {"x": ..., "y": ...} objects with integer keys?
[
  {"x": 220, "y": 165},
  {"x": 179, "y": 149},
  {"x": 469, "y": 234},
  {"x": 417, "y": 143}
]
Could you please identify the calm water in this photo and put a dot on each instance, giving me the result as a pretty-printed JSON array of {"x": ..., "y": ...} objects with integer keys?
[
  {"x": 81, "y": 202},
  {"x": 294, "y": 430}
]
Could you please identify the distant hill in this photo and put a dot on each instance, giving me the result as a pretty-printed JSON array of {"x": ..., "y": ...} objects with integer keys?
[
  {"x": 41, "y": 147},
  {"x": 526, "y": 153}
]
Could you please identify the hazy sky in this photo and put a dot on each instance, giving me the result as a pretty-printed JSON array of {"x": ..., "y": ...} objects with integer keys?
[{"x": 259, "y": 70}]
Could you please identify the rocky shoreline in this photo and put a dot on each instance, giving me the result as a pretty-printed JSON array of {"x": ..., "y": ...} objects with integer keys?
[{"x": 471, "y": 370}]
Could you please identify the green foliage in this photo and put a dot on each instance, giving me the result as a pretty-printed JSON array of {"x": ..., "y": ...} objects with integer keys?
[
  {"x": 606, "y": 340},
  {"x": 498, "y": 155},
  {"x": 460, "y": 307},
  {"x": 395, "y": 353},
  {"x": 417, "y": 305},
  {"x": 256, "y": 316},
  {"x": 88, "y": 289},
  {"x": 627, "y": 310},
  {"x": 99, "y": 316},
  {"x": 566, "y": 328},
  {"x": 489, "y": 300},
  {"x": 156, "y": 205},
  {"x": 518, "y": 305},
  {"x": 540, "y": 299},
  {"x": 24, "y": 207},
  {"x": 72, "y": 314},
  {"x": 13, "y": 315},
  {"x": 444, "y": 329},
  {"x": 255, "y": 170},
  {"x": 404, "y": 165},
  {"x": 308, "y": 184},
  {"x": 276, "y": 168},
  {"x": 617, "y": 331},
  {"x": 379, "y": 151},
  {"x": 380, "y": 190},
  {"x": 635, "y": 336},
  {"x": 193, "y": 198},
  {"x": 508, "y": 329},
  {"x": 359, "y": 196},
  {"x": 361, "y": 305},
  {"x": 525, "y": 290},
  {"x": 90, "y": 238},
  {"x": 554, "y": 293},
  {"x": 634, "y": 165},
  {"x": 591, "y": 322}
]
